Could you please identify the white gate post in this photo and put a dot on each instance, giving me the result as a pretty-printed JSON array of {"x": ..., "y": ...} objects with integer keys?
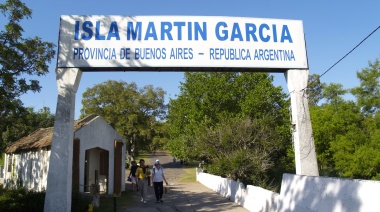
[
  {"x": 59, "y": 181},
  {"x": 304, "y": 149}
]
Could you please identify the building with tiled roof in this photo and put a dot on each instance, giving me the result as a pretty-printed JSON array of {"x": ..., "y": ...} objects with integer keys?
[{"x": 98, "y": 158}]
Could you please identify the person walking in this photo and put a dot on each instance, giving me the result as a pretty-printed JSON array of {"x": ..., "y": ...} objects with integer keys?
[
  {"x": 158, "y": 177},
  {"x": 142, "y": 180},
  {"x": 132, "y": 175}
]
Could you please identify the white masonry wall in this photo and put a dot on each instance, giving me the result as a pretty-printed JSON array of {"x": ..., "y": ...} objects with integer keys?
[
  {"x": 252, "y": 198},
  {"x": 29, "y": 167},
  {"x": 300, "y": 194},
  {"x": 307, "y": 194}
]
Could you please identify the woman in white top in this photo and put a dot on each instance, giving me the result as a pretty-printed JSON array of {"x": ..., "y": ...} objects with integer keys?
[{"x": 158, "y": 177}]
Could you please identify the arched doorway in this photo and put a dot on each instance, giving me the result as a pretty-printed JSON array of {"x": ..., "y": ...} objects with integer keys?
[{"x": 96, "y": 169}]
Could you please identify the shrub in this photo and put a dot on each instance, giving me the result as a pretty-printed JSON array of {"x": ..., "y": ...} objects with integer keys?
[
  {"x": 79, "y": 202},
  {"x": 21, "y": 200},
  {"x": 15, "y": 200}
]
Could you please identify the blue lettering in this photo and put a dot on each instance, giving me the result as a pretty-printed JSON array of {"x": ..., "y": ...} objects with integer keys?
[
  {"x": 76, "y": 33},
  {"x": 166, "y": 27},
  {"x": 285, "y": 34},
  {"x": 261, "y": 52},
  {"x": 236, "y": 33},
  {"x": 261, "y": 34},
  {"x": 201, "y": 31},
  {"x": 189, "y": 31},
  {"x": 125, "y": 53},
  {"x": 97, "y": 32},
  {"x": 151, "y": 32},
  {"x": 136, "y": 53},
  {"x": 274, "y": 33},
  {"x": 179, "y": 26},
  {"x": 229, "y": 54},
  {"x": 87, "y": 25},
  {"x": 75, "y": 53},
  {"x": 224, "y": 32},
  {"x": 114, "y": 31},
  {"x": 212, "y": 56},
  {"x": 250, "y": 30},
  {"x": 274, "y": 55},
  {"x": 181, "y": 53},
  {"x": 94, "y": 54},
  {"x": 150, "y": 53},
  {"x": 136, "y": 32}
]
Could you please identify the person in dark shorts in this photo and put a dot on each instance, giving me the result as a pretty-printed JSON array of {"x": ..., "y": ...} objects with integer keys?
[{"x": 132, "y": 175}]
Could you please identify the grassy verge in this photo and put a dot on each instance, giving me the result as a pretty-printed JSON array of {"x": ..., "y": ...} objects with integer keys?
[
  {"x": 123, "y": 201},
  {"x": 189, "y": 175}
]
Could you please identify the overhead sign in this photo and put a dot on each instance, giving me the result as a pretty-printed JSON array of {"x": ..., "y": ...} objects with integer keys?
[{"x": 180, "y": 42}]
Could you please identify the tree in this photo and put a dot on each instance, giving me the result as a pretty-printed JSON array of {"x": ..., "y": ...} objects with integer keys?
[
  {"x": 25, "y": 123},
  {"x": 333, "y": 93},
  {"x": 368, "y": 93},
  {"x": 19, "y": 57},
  {"x": 357, "y": 152},
  {"x": 331, "y": 121},
  {"x": 346, "y": 133},
  {"x": 314, "y": 89},
  {"x": 239, "y": 148},
  {"x": 210, "y": 102},
  {"x": 132, "y": 112}
]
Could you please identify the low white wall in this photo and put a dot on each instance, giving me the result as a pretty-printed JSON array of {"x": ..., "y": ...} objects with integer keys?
[
  {"x": 307, "y": 193},
  {"x": 300, "y": 194},
  {"x": 252, "y": 198}
]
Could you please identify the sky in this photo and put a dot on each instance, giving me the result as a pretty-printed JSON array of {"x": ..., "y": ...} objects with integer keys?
[{"x": 332, "y": 29}]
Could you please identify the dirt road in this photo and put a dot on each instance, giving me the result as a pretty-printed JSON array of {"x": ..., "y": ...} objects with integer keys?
[{"x": 183, "y": 197}]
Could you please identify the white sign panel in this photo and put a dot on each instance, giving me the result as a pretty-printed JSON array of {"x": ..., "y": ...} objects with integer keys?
[{"x": 180, "y": 41}]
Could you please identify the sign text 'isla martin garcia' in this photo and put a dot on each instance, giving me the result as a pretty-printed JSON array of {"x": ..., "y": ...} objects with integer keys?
[{"x": 181, "y": 41}]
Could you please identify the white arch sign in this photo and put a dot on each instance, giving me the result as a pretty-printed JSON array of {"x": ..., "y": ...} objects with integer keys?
[
  {"x": 174, "y": 43},
  {"x": 181, "y": 42}
]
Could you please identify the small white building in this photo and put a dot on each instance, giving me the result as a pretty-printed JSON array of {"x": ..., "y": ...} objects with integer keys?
[{"x": 98, "y": 158}]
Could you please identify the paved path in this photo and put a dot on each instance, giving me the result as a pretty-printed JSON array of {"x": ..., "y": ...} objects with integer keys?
[{"x": 184, "y": 197}]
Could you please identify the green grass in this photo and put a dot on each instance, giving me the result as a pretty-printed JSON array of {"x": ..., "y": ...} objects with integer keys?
[
  {"x": 189, "y": 175},
  {"x": 125, "y": 200}
]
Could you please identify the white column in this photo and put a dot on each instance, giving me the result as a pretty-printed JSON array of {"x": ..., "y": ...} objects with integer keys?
[
  {"x": 59, "y": 181},
  {"x": 305, "y": 157}
]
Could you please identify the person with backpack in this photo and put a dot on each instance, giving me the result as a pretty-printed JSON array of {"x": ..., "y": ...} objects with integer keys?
[{"x": 158, "y": 177}]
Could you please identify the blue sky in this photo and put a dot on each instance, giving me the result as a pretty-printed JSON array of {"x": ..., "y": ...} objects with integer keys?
[{"x": 332, "y": 29}]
